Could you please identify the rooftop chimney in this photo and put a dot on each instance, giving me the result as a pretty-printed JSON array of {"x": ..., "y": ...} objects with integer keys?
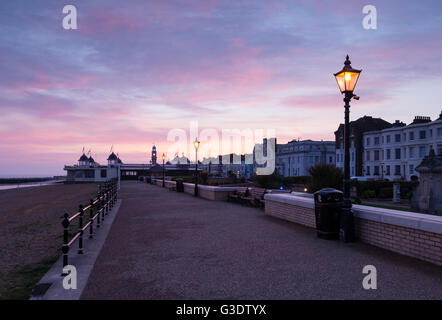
[
  {"x": 398, "y": 123},
  {"x": 421, "y": 119}
]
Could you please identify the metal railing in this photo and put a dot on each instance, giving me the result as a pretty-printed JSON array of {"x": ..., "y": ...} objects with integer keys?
[{"x": 98, "y": 208}]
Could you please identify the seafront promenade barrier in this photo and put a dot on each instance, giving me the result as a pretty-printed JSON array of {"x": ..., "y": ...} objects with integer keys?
[{"x": 98, "y": 208}]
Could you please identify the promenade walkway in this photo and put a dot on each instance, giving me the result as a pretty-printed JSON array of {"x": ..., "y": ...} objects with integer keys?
[{"x": 167, "y": 245}]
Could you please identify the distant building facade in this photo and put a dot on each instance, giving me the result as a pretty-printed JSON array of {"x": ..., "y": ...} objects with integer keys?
[
  {"x": 231, "y": 164},
  {"x": 394, "y": 153},
  {"x": 88, "y": 170},
  {"x": 296, "y": 157},
  {"x": 357, "y": 130}
]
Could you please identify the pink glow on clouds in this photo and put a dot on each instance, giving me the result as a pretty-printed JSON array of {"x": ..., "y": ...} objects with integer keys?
[{"x": 133, "y": 72}]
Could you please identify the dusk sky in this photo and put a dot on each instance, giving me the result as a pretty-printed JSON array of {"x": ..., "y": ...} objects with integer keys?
[{"x": 133, "y": 70}]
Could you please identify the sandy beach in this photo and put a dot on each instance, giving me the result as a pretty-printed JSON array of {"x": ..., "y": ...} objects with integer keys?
[{"x": 31, "y": 232}]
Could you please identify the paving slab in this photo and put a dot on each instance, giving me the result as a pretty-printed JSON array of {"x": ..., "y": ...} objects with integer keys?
[{"x": 169, "y": 245}]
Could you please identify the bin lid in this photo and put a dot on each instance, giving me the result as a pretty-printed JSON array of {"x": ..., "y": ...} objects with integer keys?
[{"x": 328, "y": 195}]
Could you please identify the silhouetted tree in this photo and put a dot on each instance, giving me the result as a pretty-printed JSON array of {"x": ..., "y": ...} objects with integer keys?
[{"x": 325, "y": 176}]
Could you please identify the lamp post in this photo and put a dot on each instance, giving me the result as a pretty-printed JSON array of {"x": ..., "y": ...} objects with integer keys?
[
  {"x": 163, "y": 157},
  {"x": 196, "y": 144},
  {"x": 347, "y": 79}
]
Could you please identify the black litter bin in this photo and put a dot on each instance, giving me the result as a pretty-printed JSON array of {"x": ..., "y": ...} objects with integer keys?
[
  {"x": 179, "y": 185},
  {"x": 328, "y": 206}
]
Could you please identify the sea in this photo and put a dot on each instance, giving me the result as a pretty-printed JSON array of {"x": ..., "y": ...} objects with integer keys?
[{"x": 27, "y": 184}]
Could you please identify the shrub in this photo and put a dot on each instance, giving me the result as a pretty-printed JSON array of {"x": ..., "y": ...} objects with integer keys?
[
  {"x": 297, "y": 180},
  {"x": 356, "y": 200},
  {"x": 384, "y": 189},
  {"x": 185, "y": 178},
  {"x": 368, "y": 194},
  {"x": 271, "y": 181},
  {"x": 203, "y": 178},
  {"x": 386, "y": 193},
  {"x": 325, "y": 176}
]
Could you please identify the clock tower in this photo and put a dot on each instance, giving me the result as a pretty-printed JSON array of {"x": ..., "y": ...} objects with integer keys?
[{"x": 154, "y": 155}]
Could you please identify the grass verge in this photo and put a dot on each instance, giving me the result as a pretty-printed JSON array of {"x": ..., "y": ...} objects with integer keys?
[{"x": 20, "y": 282}]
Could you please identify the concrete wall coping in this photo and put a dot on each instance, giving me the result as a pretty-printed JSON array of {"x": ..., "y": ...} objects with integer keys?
[
  {"x": 413, "y": 220},
  {"x": 211, "y": 188},
  {"x": 290, "y": 199},
  {"x": 202, "y": 187}
]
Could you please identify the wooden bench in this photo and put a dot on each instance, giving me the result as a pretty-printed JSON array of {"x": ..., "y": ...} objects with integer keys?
[
  {"x": 255, "y": 197},
  {"x": 237, "y": 195}
]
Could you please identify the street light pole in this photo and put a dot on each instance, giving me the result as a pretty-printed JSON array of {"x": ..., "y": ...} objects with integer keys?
[
  {"x": 347, "y": 148},
  {"x": 196, "y": 144},
  {"x": 164, "y": 173},
  {"x": 347, "y": 79}
]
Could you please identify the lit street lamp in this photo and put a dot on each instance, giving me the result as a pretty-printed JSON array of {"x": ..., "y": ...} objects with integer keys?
[
  {"x": 164, "y": 173},
  {"x": 196, "y": 144},
  {"x": 347, "y": 79}
]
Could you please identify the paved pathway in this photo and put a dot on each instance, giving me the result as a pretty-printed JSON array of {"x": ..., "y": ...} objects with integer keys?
[{"x": 167, "y": 245}]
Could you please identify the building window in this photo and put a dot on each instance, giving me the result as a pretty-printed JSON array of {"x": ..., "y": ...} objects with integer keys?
[
  {"x": 376, "y": 141},
  {"x": 368, "y": 141},
  {"x": 387, "y": 170},
  {"x": 411, "y": 169},
  {"x": 397, "y": 154},
  {"x": 411, "y": 153},
  {"x": 388, "y": 154},
  {"x": 422, "y": 152},
  {"x": 397, "y": 137},
  {"x": 439, "y": 149},
  {"x": 104, "y": 173},
  {"x": 376, "y": 155},
  {"x": 90, "y": 174},
  {"x": 388, "y": 139},
  {"x": 376, "y": 170},
  {"x": 439, "y": 132},
  {"x": 368, "y": 155},
  {"x": 411, "y": 135},
  {"x": 397, "y": 170},
  {"x": 368, "y": 170},
  {"x": 330, "y": 159},
  {"x": 422, "y": 134},
  {"x": 352, "y": 156}
]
